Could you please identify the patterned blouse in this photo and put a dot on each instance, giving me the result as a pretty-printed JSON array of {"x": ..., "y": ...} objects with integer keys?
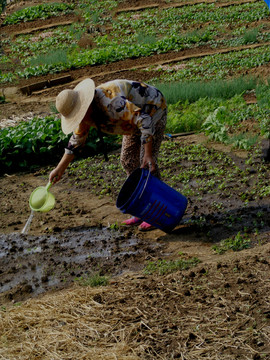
[{"x": 124, "y": 106}]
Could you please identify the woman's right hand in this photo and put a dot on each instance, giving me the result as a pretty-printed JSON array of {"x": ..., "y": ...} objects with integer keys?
[
  {"x": 57, "y": 173},
  {"x": 55, "y": 176}
]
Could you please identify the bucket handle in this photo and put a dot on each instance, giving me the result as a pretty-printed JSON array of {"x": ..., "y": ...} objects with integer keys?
[{"x": 149, "y": 172}]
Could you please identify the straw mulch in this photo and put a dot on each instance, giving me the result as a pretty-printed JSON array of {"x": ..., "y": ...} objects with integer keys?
[{"x": 213, "y": 311}]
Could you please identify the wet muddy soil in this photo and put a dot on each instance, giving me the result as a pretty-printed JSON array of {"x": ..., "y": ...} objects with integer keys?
[{"x": 32, "y": 265}]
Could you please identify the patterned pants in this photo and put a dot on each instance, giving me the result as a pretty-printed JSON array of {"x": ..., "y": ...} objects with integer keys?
[{"x": 132, "y": 151}]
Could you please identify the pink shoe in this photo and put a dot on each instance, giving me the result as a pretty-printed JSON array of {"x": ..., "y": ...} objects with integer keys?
[
  {"x": 132, "y": 221},
  {"x": 146, "y": 227}
]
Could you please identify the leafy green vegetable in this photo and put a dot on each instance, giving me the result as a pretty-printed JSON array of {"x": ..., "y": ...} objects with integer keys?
[
  {"x": 39, "y": 11},
  {"x": 38, "y": 142}
]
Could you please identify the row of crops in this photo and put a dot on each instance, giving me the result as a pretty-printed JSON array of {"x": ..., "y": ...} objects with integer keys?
[
  {"x": 204, "y": 93},
  {"x": 130, "y": 35}
]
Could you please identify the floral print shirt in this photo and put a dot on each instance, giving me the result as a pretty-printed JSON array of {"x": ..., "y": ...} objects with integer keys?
[{"x": 125, "y": 107}]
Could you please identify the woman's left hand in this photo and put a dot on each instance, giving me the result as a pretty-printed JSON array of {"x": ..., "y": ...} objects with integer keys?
[{"x": 148, "y": 162}]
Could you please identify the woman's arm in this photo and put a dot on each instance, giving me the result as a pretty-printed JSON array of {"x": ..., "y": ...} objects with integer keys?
[
  {"x": 148, "y": 160},
  {"x": 57, "y": 173}
]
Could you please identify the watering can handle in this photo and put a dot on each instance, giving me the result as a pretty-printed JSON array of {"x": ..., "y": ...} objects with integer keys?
[
  {"x": 48, "y": 185},
  {"x": 149, "y": 172}
]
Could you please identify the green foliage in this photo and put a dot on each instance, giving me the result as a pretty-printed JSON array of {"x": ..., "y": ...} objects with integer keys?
[
  {"x": 40, "y": 70},
  {"x": 31, "y": 143},
  {"x": 184, "y": 117},
  {"x": 181, "y": 170},
  {"x": 224, "y": 123},
  {"x": 250, "y": 36},
  {"x": 195, "y": 90},
  {"x": 3, "y": 4},
  {"x": 143, "y": 38},
  {"x": 96, "y": 11},
  {"x": 151, "y": 31},
  {"x": 168, "y": 266},
  {"x": 215, "y": 124},
  {"x": 58, "y": 56},
  {"x": 218, "y": 66},
  {"x": 110, "y": 53},
  {"x": 116, "y": 52},
  {"x": 8, "y": 77},
  {"x": 173, "y": 19},
  {"x": 38, "y": 12},
  {"x": 242, "y": 141},
  {"x": 26, "y": 46},
  {"x": 114, "y": 226},
  {"x": 263, "y": 95},
  {"x": 220, "y": 119},
  {"x": 235, "y": 243},
  {"x": 40, "y": 141},
  {"x": 93, "y": 281}
]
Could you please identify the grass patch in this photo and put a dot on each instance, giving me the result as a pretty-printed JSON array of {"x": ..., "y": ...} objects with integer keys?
[
  {"x": 195, "y": 90},
  {"x": 55, "y": 57},
  {"x": 184, "y": 117},
  {"x": 168, "y": 266},
  {"x": 93, "y": 281},
  {"x": 143, "y": 38},
  {"x": 250, "y": 36}
]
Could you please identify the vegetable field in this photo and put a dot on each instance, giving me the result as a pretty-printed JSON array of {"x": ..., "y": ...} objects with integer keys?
[{"x": 79, "y": 285}]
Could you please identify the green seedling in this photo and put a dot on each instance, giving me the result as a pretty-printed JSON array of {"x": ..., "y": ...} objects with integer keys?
[
  {"x": 162, "y": 267},
  {"x": 236, "y": 243},
  {"x": 93, "y": 280}
]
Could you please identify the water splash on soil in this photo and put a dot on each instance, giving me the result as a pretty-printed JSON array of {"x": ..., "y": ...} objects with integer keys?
[
  {"x": 28, "y": 223},
  {"x": 30, "y": 265}
]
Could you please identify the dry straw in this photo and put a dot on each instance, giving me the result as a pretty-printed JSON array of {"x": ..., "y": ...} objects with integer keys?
[
  {"x": 216, "y": 310},
  {"x": 67, "y": 325}
]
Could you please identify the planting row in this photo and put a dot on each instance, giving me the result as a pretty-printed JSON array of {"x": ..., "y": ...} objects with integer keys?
[
  {"x": 216, "y": 66},
  {"x": 131, "y": 35},
  {"x": 189, "y": 14},
  {"x": 219, "y": 66},
  {"x": 29, "y": 47},
  {"x": 162, "y": 21}
]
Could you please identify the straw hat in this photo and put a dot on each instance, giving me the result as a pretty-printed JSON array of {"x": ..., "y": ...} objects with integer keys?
[{"x": 73, "y": 104}]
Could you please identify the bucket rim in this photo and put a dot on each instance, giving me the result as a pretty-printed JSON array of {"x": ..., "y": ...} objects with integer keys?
[{"x": 135, "y": 191}]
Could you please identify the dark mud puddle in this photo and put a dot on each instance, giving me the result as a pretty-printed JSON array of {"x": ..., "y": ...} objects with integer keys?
[{"x": 31, "y": 265}]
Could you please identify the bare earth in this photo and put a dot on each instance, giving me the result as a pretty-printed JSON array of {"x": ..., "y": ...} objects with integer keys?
[{"x": 218, "y": 309}]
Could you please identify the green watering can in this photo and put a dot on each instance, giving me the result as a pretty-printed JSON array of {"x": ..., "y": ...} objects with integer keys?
[{"x": 41, "y": 199}]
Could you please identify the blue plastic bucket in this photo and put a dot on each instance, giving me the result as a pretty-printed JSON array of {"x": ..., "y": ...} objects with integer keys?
[{"x": 148, "y": 198}]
